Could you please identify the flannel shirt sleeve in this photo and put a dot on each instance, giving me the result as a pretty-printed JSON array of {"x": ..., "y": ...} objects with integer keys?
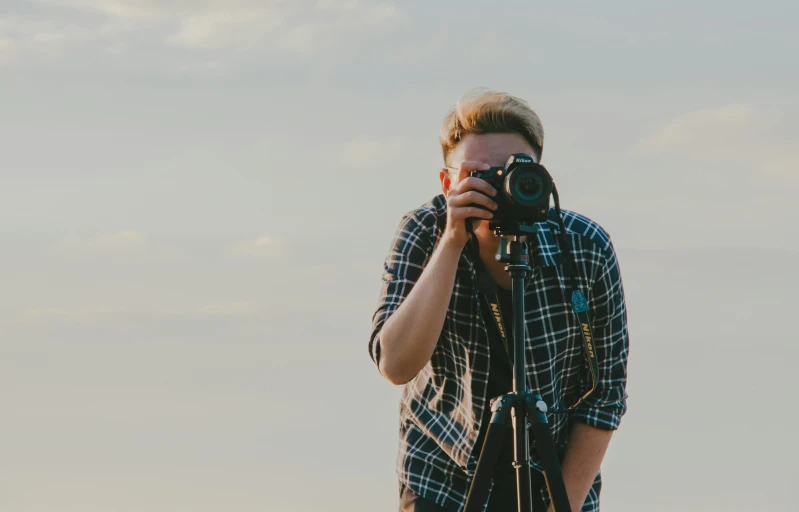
[
  {"x": 608, "y": 403},
  {"x": 410, "y": 250}
]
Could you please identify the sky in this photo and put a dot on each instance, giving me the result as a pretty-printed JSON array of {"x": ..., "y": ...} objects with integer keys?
[{"x": 196, "y": 198}]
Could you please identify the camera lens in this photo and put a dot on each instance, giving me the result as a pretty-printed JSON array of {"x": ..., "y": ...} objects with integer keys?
[
  {"x": 526, "y": 190},
  {"x": 530, "y": 187}
]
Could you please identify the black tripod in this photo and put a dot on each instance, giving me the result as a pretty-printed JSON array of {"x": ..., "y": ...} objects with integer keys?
[{"x": 529, "y": 409}]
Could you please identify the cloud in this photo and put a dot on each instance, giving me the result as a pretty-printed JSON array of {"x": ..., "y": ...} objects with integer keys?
[
  {"x": 120, "y": 240},
  {"x": 736, "y": 133},
  {"x": 125, "y": 245},
  {"x": 784, "y": 166},
  {"x": 368, "y": 152},
  {"x": 708, "y": 134},
  {"x": 261, "y": 247},
  {"x": 88, "y": 315},
  {"x": 7, "y": 49},
  {"x": 292, "y": 27},
  {"x": 123, "y": 9},
  {"x": 6, "y": 44},
  {"x": 272, "y": 26},
  {"x": 97, "y": 315},
  {"x": 21, "y": 35},
  {"x": 220, "y": 28},
  {"x": 233, "y": 309}
]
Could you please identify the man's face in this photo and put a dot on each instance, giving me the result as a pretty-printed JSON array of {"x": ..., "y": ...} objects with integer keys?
[{"x": 490, "y": 148}]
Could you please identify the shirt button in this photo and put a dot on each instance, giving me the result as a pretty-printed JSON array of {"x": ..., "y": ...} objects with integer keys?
[{"x": 476, "y": 427}]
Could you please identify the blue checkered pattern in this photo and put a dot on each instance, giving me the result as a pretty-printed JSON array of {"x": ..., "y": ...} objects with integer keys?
[{"x": 440, "y": 409}]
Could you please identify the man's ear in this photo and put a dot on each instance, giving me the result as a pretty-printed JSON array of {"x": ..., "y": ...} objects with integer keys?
[{"x": 446, "y": 182}]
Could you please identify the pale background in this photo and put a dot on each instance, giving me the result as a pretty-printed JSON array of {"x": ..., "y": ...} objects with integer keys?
[{"x": 196, "y": 198}]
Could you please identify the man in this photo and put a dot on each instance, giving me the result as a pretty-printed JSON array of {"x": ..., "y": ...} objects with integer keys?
[{"x": 433, "y": 334}]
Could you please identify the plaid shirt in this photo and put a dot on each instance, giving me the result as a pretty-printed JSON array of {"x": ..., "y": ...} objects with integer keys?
[{"x": 441, "y": 408}]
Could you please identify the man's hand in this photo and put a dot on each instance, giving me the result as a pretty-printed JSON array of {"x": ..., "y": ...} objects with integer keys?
[{"x": 460, "y": 201}]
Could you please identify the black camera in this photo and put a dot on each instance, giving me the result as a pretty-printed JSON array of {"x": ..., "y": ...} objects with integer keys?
[{"x": 523, "y": 190}]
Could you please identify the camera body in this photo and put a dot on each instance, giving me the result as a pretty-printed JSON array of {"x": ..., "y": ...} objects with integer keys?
[{"x": 523, "y": 190}]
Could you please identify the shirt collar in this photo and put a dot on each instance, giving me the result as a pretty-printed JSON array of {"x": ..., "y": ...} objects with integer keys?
[{"x": 545, "y": 252}]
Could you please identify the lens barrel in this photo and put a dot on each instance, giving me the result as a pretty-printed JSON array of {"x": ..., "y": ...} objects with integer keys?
[{"x": 526, "y": 189}]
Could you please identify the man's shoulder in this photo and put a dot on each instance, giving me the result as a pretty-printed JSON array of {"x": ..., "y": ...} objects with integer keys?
[
  {"x": 581, "y": 226},
  {"x": 429, "y": 215}
]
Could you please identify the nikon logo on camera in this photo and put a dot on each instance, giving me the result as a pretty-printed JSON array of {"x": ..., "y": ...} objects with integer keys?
[{"x": 589, "y": 343}]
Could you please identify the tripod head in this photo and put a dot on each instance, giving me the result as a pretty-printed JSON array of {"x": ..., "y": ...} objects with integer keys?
[
  {"x": 507, "y": 228},
  {"x": 512, "y": 250}
]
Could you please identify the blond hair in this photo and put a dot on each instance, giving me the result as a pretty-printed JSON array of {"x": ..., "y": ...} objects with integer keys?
[{"x": 483, "y": 110}]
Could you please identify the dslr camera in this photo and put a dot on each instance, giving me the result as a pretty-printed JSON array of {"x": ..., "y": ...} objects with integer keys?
[{"x": 523, "y": 190}]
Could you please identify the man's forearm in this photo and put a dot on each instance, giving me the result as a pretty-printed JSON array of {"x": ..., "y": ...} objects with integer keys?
[
  {"x": 584, "y": 453},
  {"x": 411, "y": 333}
]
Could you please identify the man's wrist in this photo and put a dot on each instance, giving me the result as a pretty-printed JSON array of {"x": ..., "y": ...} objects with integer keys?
[{"x": 450, "y": 244}]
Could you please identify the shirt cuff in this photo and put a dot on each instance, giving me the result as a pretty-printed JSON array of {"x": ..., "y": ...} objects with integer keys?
[{"x": 605, "y": 418}]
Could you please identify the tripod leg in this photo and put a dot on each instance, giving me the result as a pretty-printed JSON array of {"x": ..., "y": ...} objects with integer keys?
[
  {"x": 486, "y": 464},
  {"x": 521, "y": 448},
  {"x": 547, "y": 453}
]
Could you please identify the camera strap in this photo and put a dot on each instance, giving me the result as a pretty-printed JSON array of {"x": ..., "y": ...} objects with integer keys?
[
  {"x": 578, "y": 302},
  {"x": 488, "y": 288},
  {"x": 580, "y": 308}
]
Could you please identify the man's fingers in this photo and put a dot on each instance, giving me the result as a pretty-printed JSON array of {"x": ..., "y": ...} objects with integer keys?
[
  {"x": 473, "y": 197},
  {"x": 473, "y": 211},
  {"x": 472, "y": 183}
]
